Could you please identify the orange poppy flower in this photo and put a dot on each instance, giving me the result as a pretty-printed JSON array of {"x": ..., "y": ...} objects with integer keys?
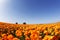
[
  {"x": 10, "y": 37},
  {"x": 4, "y": 36},
  {"x": 15, "y": 39},
  {"x": 18, "y": 33}
]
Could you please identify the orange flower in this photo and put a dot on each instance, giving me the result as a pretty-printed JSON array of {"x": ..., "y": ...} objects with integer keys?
[
  {"x": 18, "y": 33},
  {"x": 26, "y": 33},
  {"x": 4, "y": 36},
  {"x": 34, "y": 36},
  {"x": 27, "y": 38},
  {"x": 15, "y": 39},
  {"x": 10, "y": 37}
]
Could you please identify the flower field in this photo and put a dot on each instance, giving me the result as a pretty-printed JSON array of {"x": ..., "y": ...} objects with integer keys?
[{"x": 29, "y": 31}]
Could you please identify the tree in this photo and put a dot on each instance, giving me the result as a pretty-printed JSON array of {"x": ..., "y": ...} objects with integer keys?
[
  {"x": 24, "y": 22},
  {"x": 16, "y": 22}
]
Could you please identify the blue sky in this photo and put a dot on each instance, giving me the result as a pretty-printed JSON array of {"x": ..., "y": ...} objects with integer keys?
[{"x": 30, "y": 11}]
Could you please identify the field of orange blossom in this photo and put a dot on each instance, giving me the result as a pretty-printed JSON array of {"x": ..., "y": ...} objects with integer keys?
[{"x": 10, "y": 31}]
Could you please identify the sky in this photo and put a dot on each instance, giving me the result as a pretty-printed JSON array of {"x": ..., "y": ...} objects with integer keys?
[{"x": 30, "y": 11}]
